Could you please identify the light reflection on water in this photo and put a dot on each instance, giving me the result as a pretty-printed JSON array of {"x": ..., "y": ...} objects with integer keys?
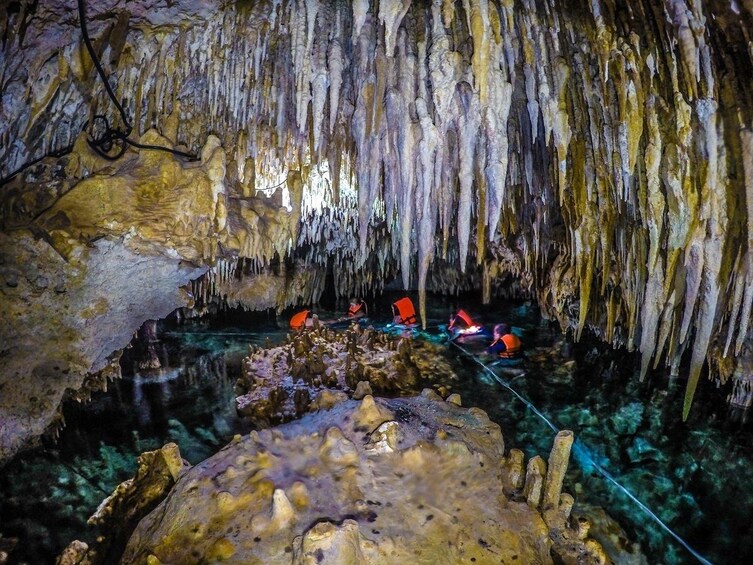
[{"x": 694, "y": 476}]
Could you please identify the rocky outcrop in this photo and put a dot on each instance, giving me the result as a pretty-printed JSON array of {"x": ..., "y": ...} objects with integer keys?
[
  {"x": 316, "y": 368},
  {"x": 119, "y": 513},
  {"x": 416, "y": 140},
  {"x": 380, "y": 481},
  {"x": 63, "y": 317}
]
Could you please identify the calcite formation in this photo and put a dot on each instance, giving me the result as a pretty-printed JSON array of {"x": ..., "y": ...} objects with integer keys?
[
  {"x": 120, "y": 512},
  {"x": 597, "y": 152},
  {"x": 62, "y": 318},
  {"x": 408, "y": 480},
  {"x": 316, "y": 368}
]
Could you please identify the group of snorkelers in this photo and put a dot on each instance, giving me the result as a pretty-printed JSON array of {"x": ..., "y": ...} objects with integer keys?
[
  {"x": 306, "y": 318},
  {"x": 505, "y": 344}
]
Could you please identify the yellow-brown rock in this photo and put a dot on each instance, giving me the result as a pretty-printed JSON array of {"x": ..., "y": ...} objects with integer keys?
[
  {"x": 315, "y": 488},
  {"x": 317, "y": 368}
]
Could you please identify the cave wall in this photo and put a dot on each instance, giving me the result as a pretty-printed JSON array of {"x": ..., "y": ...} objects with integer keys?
[{"x": 601, "y": 152}]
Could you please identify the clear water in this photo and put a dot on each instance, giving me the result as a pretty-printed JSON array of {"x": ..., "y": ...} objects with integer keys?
[{"x": 693, "y": 475}]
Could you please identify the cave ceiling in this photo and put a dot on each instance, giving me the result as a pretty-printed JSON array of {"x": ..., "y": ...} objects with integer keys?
[{"x": 597, "y": 156}]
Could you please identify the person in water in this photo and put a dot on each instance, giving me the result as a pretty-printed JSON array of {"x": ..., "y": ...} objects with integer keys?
[
  {"x": 302, "y": 319},
  {"x": 462, "y": 327},
  {"x": 403, "y": 312},
  {"x": 461, "y": 320},
  {"x": 506, "y": 344},
  {"x": 357, "y": 309}
]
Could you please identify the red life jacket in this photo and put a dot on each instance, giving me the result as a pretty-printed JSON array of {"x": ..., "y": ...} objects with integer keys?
[
  {"x": 354, "y": 309},
  {"x": 406, "y": 311},
  {"x": 298, "y": 321},
  {"x": 512, "y": 344},
  {"x": 463, "y": 315}
]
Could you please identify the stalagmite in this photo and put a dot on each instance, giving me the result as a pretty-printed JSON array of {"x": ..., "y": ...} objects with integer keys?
[
  {"x": 556, "y": 469},
  {"x": 610, "y": 159},
  {"x": 535, "y": 473}
]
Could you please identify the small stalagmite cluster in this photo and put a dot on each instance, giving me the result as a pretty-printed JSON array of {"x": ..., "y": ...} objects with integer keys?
[
  {"x": 315, "y": 368},
  {"x": 417, "y": 480},
  {"x": 599, "y": 154}
]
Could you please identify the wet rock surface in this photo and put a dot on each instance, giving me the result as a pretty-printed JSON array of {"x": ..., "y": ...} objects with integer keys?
[
  {"x": 317, "y": 368},
  {"x": 58, "y": 344},
  {"x": 119, "y": 513},
  {"x": 377, "y": 481}
]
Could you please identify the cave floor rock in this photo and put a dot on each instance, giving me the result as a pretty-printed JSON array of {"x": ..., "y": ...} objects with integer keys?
[
  {"x": 406, "y": 480},
  {"x": 316, "y": 368}
]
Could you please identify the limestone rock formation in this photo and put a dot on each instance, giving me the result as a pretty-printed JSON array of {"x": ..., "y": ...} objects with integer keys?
[
  {"x": 315, "y": 369},
  {"x": 315, "y": 490},
  {"x": 63, "y": 317},
  {"x": 119, "y": 513},
  {"x": 593, "y": 155}
]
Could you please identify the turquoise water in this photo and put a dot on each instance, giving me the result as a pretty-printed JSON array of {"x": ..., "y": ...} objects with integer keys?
[{"x": 693, "y": 476}]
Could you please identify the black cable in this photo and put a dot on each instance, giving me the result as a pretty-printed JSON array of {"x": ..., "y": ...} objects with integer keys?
[
  {"x": 109, "y": 138},
  {"x": 98, "y": 65}
]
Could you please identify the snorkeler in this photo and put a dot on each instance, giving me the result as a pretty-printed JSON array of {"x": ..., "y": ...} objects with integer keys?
[
  {"x": 403, "y": 312},
  {"x": 506, "y": 344},
  {"x": 462, "y": 327},
  {"x": 357, "y": 308},
  {"x": 302, "y": 319}
]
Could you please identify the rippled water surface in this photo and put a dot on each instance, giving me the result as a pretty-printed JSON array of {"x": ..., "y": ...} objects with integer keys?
[{"x": 694, "y": 476}]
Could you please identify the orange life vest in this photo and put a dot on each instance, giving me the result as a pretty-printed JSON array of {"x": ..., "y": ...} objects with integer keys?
[
  {"x": 406, "y": 311},
  {"x": 463, "y": 315},
  {"x": 512, "y": 344},
  {"x": 298, "y": 321},
  {"x": 354, "y": 309}
]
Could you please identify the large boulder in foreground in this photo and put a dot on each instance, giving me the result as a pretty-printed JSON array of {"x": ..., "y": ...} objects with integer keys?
[{"x": 406, "y": 480}]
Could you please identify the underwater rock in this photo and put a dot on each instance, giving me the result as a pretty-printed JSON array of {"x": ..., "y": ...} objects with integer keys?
[
  {"x": 6, "y": 546},
  {"x": 641, "y": 450},
  {"x": 604, "y": 529},
  {"x": 421, "y": 484},
  {"x": 119, "y": 513},
  {"x": 628, "y": 418},
  {"x": 315, "y": 368}
]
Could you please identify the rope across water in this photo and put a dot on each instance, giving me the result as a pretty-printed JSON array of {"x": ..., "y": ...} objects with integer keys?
[{"x": 582, "y": 451}]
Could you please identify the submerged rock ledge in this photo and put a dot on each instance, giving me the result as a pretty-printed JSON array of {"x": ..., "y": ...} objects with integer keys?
[{"x": 405, "y": 480}]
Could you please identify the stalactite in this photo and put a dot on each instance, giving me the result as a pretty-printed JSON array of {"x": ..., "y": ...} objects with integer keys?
[
  {"x": 652, "y": 210},
  {"x": 335, "y": 66},
  {"x": 597, "y": 144},
  {"x": 391, "y": 14},
  {"x": 468, "y": 108}
]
